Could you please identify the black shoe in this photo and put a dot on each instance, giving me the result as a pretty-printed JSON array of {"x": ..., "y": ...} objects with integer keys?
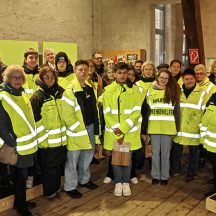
[
  {"x": 29, "y": 205},
  {"x": 89, "y": 185},
  {"x": 74, "y": 194},
  {"x": 23, "y": 212},
  {"x": 155, "y": 181},
  {"x": 95, "y": 161},
  {"x": 164, "y": 182},
  {"x": 210, "y": 193}
]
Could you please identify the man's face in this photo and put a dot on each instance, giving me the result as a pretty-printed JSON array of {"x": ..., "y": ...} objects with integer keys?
[
  {"x": 121, "y": 76},
  {"x": 200, "y": 75},
  {"x": 31, "y": 60},
  {"x": 81, "y": 72},
  {"x": 175, "y": 68},
  {"x": 189, "y": 81},
  {"x": 50, "y": 57},
  {"x": 98, "y": 59},
  {"x": 138, "y": 67}
]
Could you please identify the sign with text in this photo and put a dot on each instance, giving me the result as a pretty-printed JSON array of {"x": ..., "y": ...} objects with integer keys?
[{"x": 194, "y": 56}]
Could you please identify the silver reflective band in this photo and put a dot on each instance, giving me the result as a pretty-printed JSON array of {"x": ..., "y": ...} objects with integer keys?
[
  {"x": 209, "y": 143},
  {"x": 26, "y": 147},
  {"x": 209, "y": 87},
  {"x": 115, "y": 126},
  {"x": 189, "y": 135},
  {"x": 162, "y": 118},
  {"x": 136, "y": 108},
  {"x": 74, "y": 126},
  {"x": 18, "y": 110},
  {"x": 42, "y": 138},
  {"x": 28, "y": 91},
  {"x": 210, "y": 134},
  {"x": 27, "y": 137},
  {"x": 130, "y": 122},
  {"x": 153, "y": 106},
  {"x": 56, "y": 131},
  {"x": 39, "y": 129},
  {"x": 77, "y": 108},
  {"x": 80, "y": 133},
  {"x": 108, "y": 109},
  {"x": 114, "y": 111},
  {"x": 140, "y": 119},
  {"x": 203, "y": 128},
  {"x": 1, "y": 141},
  {"x": 135, "y": 128},
  {"x": 188, "y": 105},
  {"x": 67, "y": 100},
  {"x": 203, "y": 134},
  {"x": 57, "y": 140}
]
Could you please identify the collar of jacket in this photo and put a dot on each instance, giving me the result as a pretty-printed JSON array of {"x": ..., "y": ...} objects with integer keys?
[
  {"x": 203, "y": 83},
  {"x": 196, "y": 89},
  {"x": 6, "y": 87},
  {"x": 29, "y": 71},
  {"x": 75, "y": 85}
]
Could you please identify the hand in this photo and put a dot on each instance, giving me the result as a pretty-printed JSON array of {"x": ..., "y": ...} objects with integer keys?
[
  {"x": 117, "y": 131},
  {"x": 96, "y": 149},
  {"x": 120, "y": 141}
]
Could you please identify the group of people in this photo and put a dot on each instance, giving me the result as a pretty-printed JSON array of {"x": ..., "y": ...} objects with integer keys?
[{"x": 57, "y": 115}]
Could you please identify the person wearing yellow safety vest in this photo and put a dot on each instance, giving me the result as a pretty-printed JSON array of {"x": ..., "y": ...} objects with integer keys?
[
  {"x": 161, "y": 116},
  {"x": 64, "y": 69},
  {"x": 192, "y": 103},
  {"x": 18, "y": 129},
  {"x": 148, "y": 76},
  {"x": 208, "y": 135},
  {"x": 51, "y": 131},
  {"x": 121, "y": 108},
  {"x": 175, "y": 69},
  {"x": 30, "y": 66},
  {"x": 80, "y": 115},
  {"x": 210, "y": 88}
]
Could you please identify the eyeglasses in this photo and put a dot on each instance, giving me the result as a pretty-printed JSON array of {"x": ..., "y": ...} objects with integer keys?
[
  {"x": 99, "y": 58},
  {"x": 17, "y": 78},
  {"x": 199, "y": 74},
  {"x": 49, "y": 77},
  {"x": 163, "y": 78}
]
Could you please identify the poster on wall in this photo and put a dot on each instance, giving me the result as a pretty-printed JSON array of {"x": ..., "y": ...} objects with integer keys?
[
  {"x": 69, "y": 48},
  {"x": 132, "y": 57},
  {"x": 209, "y": 61},
  {"x": 12, "y": 51}
]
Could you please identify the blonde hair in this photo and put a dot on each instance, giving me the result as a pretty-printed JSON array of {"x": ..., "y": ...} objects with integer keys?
[
  {"x": 200, "y": 67},
  {"x": 13, "y": 69},
  {"x": 213, "y": 66},
  {"x": 148, "y": 63}
]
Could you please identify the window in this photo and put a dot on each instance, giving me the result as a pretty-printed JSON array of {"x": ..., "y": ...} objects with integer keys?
[{"x": 159, "y": 34}]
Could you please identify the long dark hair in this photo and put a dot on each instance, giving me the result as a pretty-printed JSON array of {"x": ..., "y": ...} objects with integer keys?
[{"x": 172, "y": 91}]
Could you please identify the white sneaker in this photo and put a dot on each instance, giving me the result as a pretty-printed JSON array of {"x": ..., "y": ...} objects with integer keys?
[
  {"x": 107, "y": 180},
  {"x": 29, "y": 182},
  {"x": 118, "y": 189},
  {"x": 126, "y": 189},
  {"x": 134, "y": 180}
]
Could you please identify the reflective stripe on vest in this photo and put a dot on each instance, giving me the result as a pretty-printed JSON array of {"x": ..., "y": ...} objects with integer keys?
[
  {"x": 70, "y": 102},
  {"x": 130, "y": 122},
  {"x": 209, "y": 87},
  {"x": 74, "y": 126},
  {"x": 56, "y": 131},
  {"x": 1, "y": 141},
  {"x": 26, "y": 147},
  {"x": 135, "y": 108},
  {"x": 162, "y": 118},
  {"x": 57, "y": 140},
  {"x": 188, "y": 135},
  {"x": 135, "y": 128},
  {"x": 210, "y": 134},
  {"x": 40, "y": 129},
  {"x": 77, "y": 134},
  {"x": 166, "y": 105},
  {"x": 209, "y": 143}
]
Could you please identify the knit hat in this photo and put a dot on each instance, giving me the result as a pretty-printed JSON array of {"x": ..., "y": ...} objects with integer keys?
[
  {"x": 189, "y": 71},
  {"x": 60, "y": 57}
]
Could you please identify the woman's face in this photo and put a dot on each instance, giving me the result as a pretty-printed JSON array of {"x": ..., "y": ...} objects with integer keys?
[
  {"x": 31, "y": 61},
  {"x": 131, "y": 75},
  {"x": 163, "y": 79},
  {"x": 214, "y": 70},
  {"x": 49, "y": 79},
  {"x": 148, "y": 71},
  {"x": 62, "y": 65},
  {"x": 91, "y": 69},
  {"x": 16, "y": 80},
  {"x": 111, "y": 75}
]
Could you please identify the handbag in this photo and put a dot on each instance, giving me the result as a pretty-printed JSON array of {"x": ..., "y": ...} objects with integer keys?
[
  {"x": 8, "y": 155},
  {"x": 121, "y": 154}
]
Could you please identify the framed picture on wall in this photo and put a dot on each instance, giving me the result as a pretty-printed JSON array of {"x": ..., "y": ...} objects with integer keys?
[{"x": 132, "y": 57}]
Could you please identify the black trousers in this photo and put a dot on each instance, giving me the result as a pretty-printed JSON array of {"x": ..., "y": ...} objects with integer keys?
[
  {"x": 51, "y": 179},
  {"x": 212, "y": 159},
  {"x": 20, "y": 176}
]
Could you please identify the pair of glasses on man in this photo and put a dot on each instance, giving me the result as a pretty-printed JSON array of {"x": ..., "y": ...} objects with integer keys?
[{"x": 99, "y": 58}]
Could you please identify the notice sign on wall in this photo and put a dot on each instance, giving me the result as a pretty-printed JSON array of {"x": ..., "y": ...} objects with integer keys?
[{"x": 194, "y": 56}]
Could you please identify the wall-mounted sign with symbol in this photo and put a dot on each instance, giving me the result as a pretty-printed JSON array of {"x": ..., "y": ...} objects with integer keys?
[{"x": 194, "y": 56}]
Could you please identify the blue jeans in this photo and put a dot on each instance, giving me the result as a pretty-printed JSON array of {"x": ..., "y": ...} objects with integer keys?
[
  {"x": 177, "y": 155},
  {"x": 77, "y": 164}
]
